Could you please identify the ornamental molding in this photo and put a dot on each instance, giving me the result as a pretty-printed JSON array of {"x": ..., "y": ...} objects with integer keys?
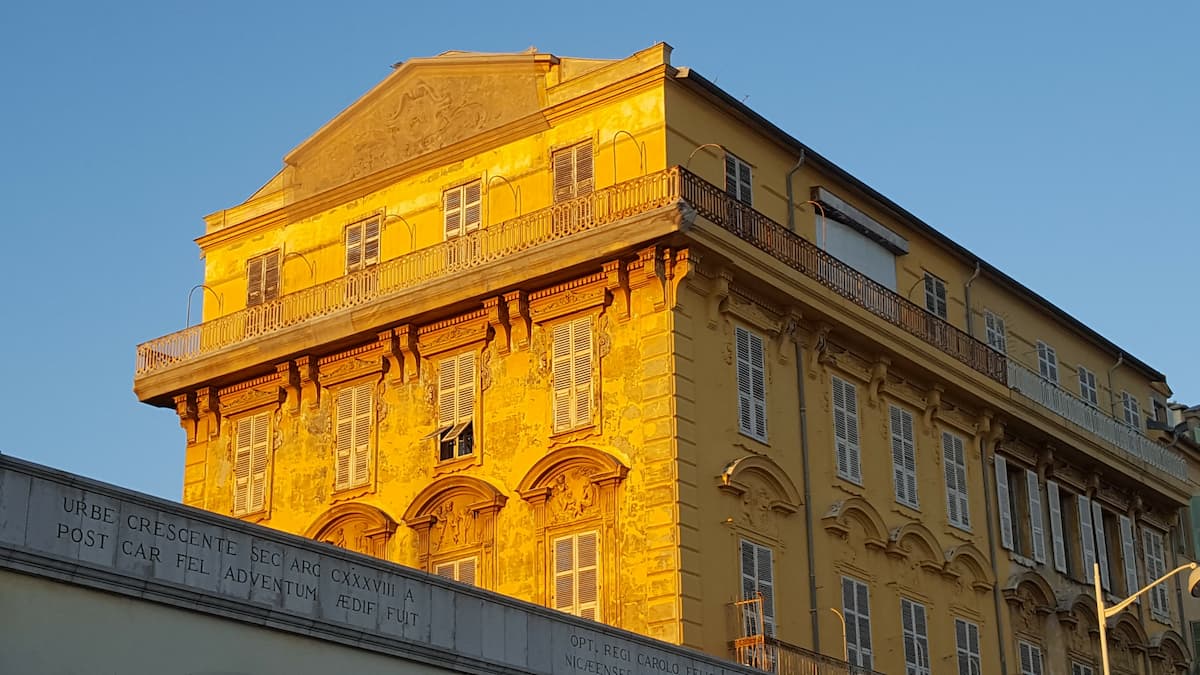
[
  {"x": 257, "y": 393},
  {"x": 569, "y": 298},
  {"x": 351, "y": 364},
  {"x": 460, "y": 331}
]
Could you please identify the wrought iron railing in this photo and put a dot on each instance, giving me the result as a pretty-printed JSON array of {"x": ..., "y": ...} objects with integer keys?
[
  {"x": 1066, "y": 405},
  {"x": 766, "y": 653}
]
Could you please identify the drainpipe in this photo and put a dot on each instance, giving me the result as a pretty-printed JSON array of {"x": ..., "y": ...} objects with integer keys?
[
  {"x": 967, "y": 294},
  {"x": 1112, "y": 394},
  {"x": 808, "y": 518},
  {"x": 791, "y": 220},
  {"x": 989, "y": 470}
]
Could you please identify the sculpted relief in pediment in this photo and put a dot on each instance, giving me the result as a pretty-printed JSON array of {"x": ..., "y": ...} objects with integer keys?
[{"x": 415, "y": 114}]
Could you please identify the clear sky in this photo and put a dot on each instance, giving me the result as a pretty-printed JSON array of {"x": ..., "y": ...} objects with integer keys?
[{"x": 1057, "y": 140}]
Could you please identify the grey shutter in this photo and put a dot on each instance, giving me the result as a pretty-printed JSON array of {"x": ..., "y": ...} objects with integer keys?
[
  {"x": 904, "y": 456},
  {"x": 1128, "y": 556},
  {"x": 1004, "y": 503},
  {"x": 1087, "y": 539},
  {"x": 1101, "y": 544},
  {"x": 1059, "y": 544},
  {"x": 744, "y": 386},
  {"x": 1037, "y": 530}
]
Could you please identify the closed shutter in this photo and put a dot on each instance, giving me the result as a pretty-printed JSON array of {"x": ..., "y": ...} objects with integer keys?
[
  {"x": 462, "y": 210},
  {"x": 564, "y": 175},
  {"x": 752, "y": 386},
  {"x": 254, "y": 279},
  {"x": 856, "y": 610},
  {"x": 1128, "y": 556},
  {"x": 935, "y": 295},
  {"x": 262, "y": 278},
  {"x": 996, "y": 337},
  {"x": 954, "y": 460},
  {"x": 1101, "y": 543},
  {"x": 845, "y": 428},
  {"x": 370, "y": 242},
  {"x": 572, "y": 366},
  {"x": 243, "y": 442},
  {"x": 260, "y": 448},
  {"x": 1087, "y": 539},
  {"x": 584, "y": 175},
  {"x": 904, "y": 456},
  {"x": 270, "y": 282},
  {"x": 344, "y": 410},
  {"x": 1004, "y": 503},
  {"x": 447, "y": 403},
  {"x": 1031, "y": 658},
  {"x": 916, "y": 637},
  {"x": 1156, "y": 567},
  {"x": 758, "y": 577},
  {"x": 1059, "y": 544},
  {"x": 462, "y": 571},
  {"x": 966, "y": 640},
  {"x": 576, "y": 575},
  {"x": 361, "y": 453},
  {"x": 1037, "y": 530}
]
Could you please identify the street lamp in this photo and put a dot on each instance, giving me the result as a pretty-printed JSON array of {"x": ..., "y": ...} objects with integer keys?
[{"x": 1105, "y": 614}]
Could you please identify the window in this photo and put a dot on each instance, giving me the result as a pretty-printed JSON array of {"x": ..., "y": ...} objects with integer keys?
[
  {"x": 1133, "y": 416},
  {"x": 845, "y": 430},
  {"x": 916, "y": 637},
  {"x": 935, "y": 295},
  {"x": 1087, "y": 386},
  {"x": 353, "y": 445},
  {"x": 1099, "y": 532},
  {"x": 362, "y": 245},
  {"x": 1156, "y": 566},
  {"x": 1037, "y": 530},
  {"x": 1013, "y": 500},
  {"x": 997, "y": 338},
  {"x": 758, "y": 577},
  {"x": 262, "y": 278},
  {"x": 955, "y": 461},
  {"x": 752, "y": 384},
  {"x": 1031, "y": 658},
  {"x": 904, "y": 457},
  {"x": 1129, "y": 556},
  {"x": 737, "y": 179},
  {"x": 1058, "y": 541},
  {"x": 966, "y": 640},
  {"x": 572, "y": 365},
  {"x": 856, "y": 609},
  {"x": 253, "y": 444},
  {"x": 1087, "y": 537},
  {"x": 462, "y": 210},
  {"x": 1047, "y": 362},
  {"x": 456, "y": 406},
  {"x": 1004, "y": 504},
  {"x": 462, "y": 571},
  {"x": 573, "y": 175},
  {"x": 1078, "y": 668},
  {"x": 577, "y": 575}
]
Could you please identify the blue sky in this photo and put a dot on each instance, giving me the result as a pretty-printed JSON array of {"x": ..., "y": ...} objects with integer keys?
[{"x": 1056, "y": 140}]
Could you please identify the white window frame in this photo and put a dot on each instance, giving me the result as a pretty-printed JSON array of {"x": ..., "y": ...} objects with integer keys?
[
  {"x": 362, "y": 244},
  {"x": 1047, "y": 362},
  {"x": 1156, "y": 566},
  {"x": 354, "y": 412},
  {"x": 904, "y": 456},
  {"x": 1131, "y": 409},
  {"x": 845, "y": 430},
  {"x": 1087, "y": 387},
  {"x": 252, "y": 449},
  {"x": 859, "y": 649},
  {"x": 1078, "y": 668},
  {"x": 954, "y": 459},
  {"x": 914, "y": 625},
  {"x": 457, "y": 435},
  {"x": 760, "y": 578},
  {"x": 936, "y": 300},
  {"x": 572, "y": 359},
  {"x": 1029, "y": 657},
  {"x": 997, "y": 336},
  {"x": 967, "y": 648},
  {"x": 751, "y": 373},
  {"x": 739, "y": 179},
  {"x": 574, "y": 573},
  {"x": 462, "y": 209},
  {"x": 463, "y": 570}
]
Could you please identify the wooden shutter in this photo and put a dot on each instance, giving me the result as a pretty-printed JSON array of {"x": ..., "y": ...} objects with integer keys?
[
  {"x": 857, "y": 612},
  {"x": 370, "y": 242},
  {"x": 751, "y": 381},
  {"x": 1059, "y": 544},
  {"x": 472, "y": 210},
  {"x": 1155, "y": 567},
  {"x": 1004, "y": 503},
  {"x": 954, "y": 461},
  {"x": 344, "y": 411},
  {"x": 361, "y": 452},
  {"x": 452, "y": 216},
  {"x": 447, "y": 404},
  {"x": 354, "y": 247},
  {"x": 563, "y": 165},
  {"x": 845, "y": 427},
  {"x": 260, "y": 448},
  {"x": 904, "y": 456},
  {"x": 1087, "y": 539},
  {"x": 466, "y": 571},
  {"x": 446, "y": 571},
  {"x": 1128, "y": 556},
  {"x": 1101, "y": 543},
  {"x": 995, "y": 332},
  {"x": 465, "y": 398},
  {"x": 731, "y": 176},
  {"x": 1037, "y": 530},
  {"x": 254, "y": 281},
  {"x": 561, "y": 363},
  {"x": 572, "y": 373},
  {"x": 758, "y": 577},
  {"x": 1031, "y": 659},
  {"x": 243, "y": 442},
  {"x": 270, "y": 271},
  {"x": 584, "y": 175},
  {"x": 577, "y": 575}
]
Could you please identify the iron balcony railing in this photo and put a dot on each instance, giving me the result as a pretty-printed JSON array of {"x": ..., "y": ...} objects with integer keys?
[
  {"x": 763, "y": 652},
  {"x": 1082, "y": 414},
  {"x": 558, "y": 222}
]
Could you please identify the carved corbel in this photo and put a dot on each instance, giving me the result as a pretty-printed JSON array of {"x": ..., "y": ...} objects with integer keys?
[
  {"x": 683, "y": 265},
  {"x": 933, "y": 403},
  {"x": 879, "y": 372},
  {"x": 393, "y": 362},
  {"x": 787, "y": 332},
  {"x": 497, "y": 313},
  {"x": 717, "y": 296},
  {"x": 617, "y": 283},
  {"x": 648, "y": 272},
  {"x": 310, "y": 390},
  {"x": 818, "y": 349},
  {"x": 989, "y": 429},
  {"x": 185, "y": 407},
  {"x": 1045, "y": 461},
  {"x": 289, "y": 381},
  {"x": 1137, "y": 506},
  {"x": 406, "y": 349},
  {"x": 208, "y": 411},
  {"x": 519, "y": 323}
]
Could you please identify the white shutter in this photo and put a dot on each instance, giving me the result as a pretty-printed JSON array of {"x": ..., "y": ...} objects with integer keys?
[
  {"x": 752, "y": 386},
  {"x": 1087, "y": 538},
  {"x": 577, "y": 575},
  {"x": 447, "y": 405},
  {"x": 1056, "y": 527},
  {"x": 260, "y": 449},
  {"x": 472, "y": 206},
  {"x": 845, "y": 427},
  {"x": 360, "y": 460},
  {"x": 354, "y": 247},
  {"x": 996, "y": 337},
  {"x": 1156, "y": 567},
  {"x": 1128, "y": 556},
  {"x": 904, "y": 456},
  {"x": 1031, "y": 658},
  {"x": 745, "y": 394},
  {"x": 916, "y": 637},
  {"x": 561, "y": 364},
  {"x": 954, "y": 461},
  {"x": 1037, "y": 530},
  {"x": 370, "y": 242},
  {"x": 966, "y": 639},
  {"x": 465, "y": 397},
  {"x": 452, "y": 213},
  {"x": 344, "y": 412},
  {"x": 758, "y": 577},
  {"x": 241, "y": 464},
  {"x": 1004, "y": 503},
  {"x": 572, "y": 373},
  {"x": 462, "y": 571},
  {"x": 857, "y": 612},
  {"x": 1101, "y": 543}
]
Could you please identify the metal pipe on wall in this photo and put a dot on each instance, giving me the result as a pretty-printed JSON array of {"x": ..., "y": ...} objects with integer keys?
[
  {"x": 808, "y": 519},
  {"x": 791, "y": 219}
]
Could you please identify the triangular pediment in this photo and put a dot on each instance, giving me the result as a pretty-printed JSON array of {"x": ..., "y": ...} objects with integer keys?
[{"x": 425, "y": 105}]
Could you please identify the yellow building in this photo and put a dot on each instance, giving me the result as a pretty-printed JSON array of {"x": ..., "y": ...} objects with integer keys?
[{"x": 596, "y": 335}]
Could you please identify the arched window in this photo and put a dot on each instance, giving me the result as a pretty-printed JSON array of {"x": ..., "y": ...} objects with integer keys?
[{"x": 455, "y": 522}]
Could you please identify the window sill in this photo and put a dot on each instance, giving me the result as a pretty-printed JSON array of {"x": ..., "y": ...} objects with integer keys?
[
  {"x": 458, "y": 463},
  {"x": 907, "y": 510},
  {"x": 961, "y": 533},
  {"x": 254, "y": 516},
  {"x": 752, "y": 437},
  {"x": 574, "y": 434},
  {"x": 352, "y": 492}
]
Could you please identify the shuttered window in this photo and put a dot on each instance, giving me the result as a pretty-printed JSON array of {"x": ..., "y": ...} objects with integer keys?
[
  {"x": 1087, "y": 386},
  {"x": 1031, "y": 658},
  {"x": 1133, "y": 414},
  {"x": 904, "y": 456},
  {"x": 573, "y": 172},
  {"x": 1059, "y": 543},
  {"x": 1037, "y": 529},
  {"x": 845, "y": 430},
  {"x": 456, "y": 406},
  {"x": 758, "y": 577},
  {"x": 751, "y": 383},
  {"x": 353, "y": 409},
  {"x": 1156, "y": 566},
  {"x": 738, "y": 180},
  {"x": 1081, "y": 669},
  {"x": 856, "y": 609},
  {"x": 253, "y": 444},
  {"x": 462, "y": 209},
  {"x": 1004, "y": 503},
  {"x": 966, "y": 641},
  {"x": 1129, "y": 556},
  {"x": 935, "y": 295},
  {"x": 262, "y": 278},
  {"x": 572, "y": 365},
  {"x": 362, "y": 245},
  {"x": 462, "y": 571},
  {"x": 1047, "y": 362},
  {"x": 1101, "y": 544},
  {"x": 577, "y": 575},
  {"x": 954, "y": 460},
  {"x": 916, "y": 637},
  {"x": 997, "y": 338},
  {"x": 1087, "y": 537}
]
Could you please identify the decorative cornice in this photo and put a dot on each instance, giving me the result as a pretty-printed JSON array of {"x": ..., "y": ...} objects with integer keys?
[
  {"x": 570, "y": 297},
  {"x": 453, "y": 333},
  {"x": 353, "y": 363},
  {"x": 257, "y": 393}
]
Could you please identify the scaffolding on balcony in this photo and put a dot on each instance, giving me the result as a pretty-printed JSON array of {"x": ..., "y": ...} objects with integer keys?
[{"x": 756, "y": 647}]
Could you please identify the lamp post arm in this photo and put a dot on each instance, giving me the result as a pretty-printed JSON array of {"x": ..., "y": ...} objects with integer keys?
[{"x": 1116, "y": 609}]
